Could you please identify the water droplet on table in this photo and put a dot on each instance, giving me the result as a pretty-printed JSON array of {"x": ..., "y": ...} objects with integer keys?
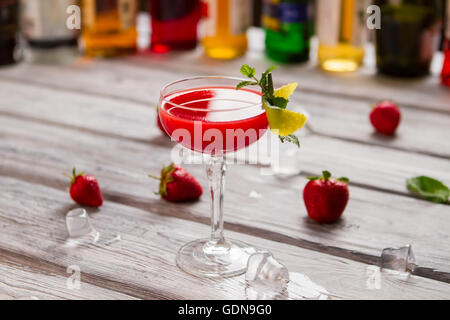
[{"x": 255, "y": 195}]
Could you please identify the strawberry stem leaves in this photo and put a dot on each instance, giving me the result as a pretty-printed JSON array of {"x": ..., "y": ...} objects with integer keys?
[
  {"x": 326, "y": 175},
  {"x": 165, "y": 178},
  {"x": 74, "y": 176}
]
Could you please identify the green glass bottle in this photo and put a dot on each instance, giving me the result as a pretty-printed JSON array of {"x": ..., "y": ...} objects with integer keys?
[
  {"x": 287, "y": 30},
  {"x": 408, "y": 37}
]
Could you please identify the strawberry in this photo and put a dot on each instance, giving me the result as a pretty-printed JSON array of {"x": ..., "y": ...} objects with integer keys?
[
  {"x": 325, "y": 198},
  {"x": 177, "y": 185},
  {"x": 84, "y": 190},
  {"x": 385, "y": 117}
]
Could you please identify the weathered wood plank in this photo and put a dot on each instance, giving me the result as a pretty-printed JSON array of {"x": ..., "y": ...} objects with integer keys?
[
  {"x": 420, "y": 131},
  {"x": 368, "y": 166},
  {"x": 32, "y": 220},
  {"x": 373, "y": 220},
  {"x": 22, "y": 282}
]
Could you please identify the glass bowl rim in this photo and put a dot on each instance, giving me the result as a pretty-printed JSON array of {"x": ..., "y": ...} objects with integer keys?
[{"x": 163, "y": 99}]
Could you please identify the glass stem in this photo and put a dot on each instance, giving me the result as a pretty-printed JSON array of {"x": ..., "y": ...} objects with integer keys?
[{"x": 215, "y": 170}]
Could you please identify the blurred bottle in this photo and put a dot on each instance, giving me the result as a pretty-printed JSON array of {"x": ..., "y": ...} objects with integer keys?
[
  {"x": 445, "y": 76},
  {"x": 174, "y": 24},
  {"x": 44, "y": 24},
  {"x": 409, "y": 36},
  {"x": 257, "y": 13},
  {"x": 287, "y": 30},
  {"x": 341, "y": 30},
  {"x": 9, "y": 29},
  {"x": 109, "y": 27},
  {"x": 225, "y": 27}
]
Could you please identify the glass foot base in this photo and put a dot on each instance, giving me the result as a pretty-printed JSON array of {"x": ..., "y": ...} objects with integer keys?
[{"x": 205, "y": 259}]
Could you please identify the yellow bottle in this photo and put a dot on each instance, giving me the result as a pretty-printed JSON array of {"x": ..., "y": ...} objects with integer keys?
[
  {"x": 225, "y": 26},
  {"x": 341, "y": 32},
  {"x": 109, "y": 27}
]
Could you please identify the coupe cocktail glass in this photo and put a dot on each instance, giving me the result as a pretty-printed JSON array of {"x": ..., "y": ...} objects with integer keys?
[{"x": 208, "y": 115}]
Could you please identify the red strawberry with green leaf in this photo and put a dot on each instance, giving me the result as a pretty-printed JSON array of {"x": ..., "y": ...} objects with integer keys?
[
  {"x": 385, "y": 117},
  {"x": 177, "y": 184},
  {"x": 326, "y": 198},
  {"x": 85, "y": 190}
]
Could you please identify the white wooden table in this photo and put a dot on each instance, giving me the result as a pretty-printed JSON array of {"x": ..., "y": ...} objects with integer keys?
[{"x": 99, "y": 116}]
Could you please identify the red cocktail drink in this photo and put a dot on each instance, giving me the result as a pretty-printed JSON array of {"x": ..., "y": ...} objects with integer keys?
[
  {"x": 214, "y": 119},
  {"x": 208, "y": 115}
]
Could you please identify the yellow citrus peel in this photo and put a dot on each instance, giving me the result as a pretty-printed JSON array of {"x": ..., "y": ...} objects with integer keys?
[{"x": 281, "y": 121}]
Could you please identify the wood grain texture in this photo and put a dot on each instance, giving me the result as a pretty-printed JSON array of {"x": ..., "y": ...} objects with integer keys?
[
  {"x": 24, "y": 282},
  {"x": 374, "y": 219},
  {"x": 143, "y": 262},
  {"x": 367, "y": 165},
  {"x": 99, "y": 115},
  {"x": 421, "y": 131}
]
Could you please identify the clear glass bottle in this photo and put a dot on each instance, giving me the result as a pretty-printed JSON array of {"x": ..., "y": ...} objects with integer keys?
[
  {"x": 225, "y": 27},
  {"x": 9, "y": 29},
  {"x": 341, "y": 31},
  {"x": 409, "y": 36},
  {"x": 109, "y": 27},
  {"x": 174, "y": 24},
  {"x": 44, "y": 24},
  {"x": 288, "y": 30}
]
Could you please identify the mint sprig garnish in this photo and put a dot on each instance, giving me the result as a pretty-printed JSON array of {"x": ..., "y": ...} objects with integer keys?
[
  {"x": 430, "y": 189},
  {"x": 290, "y": 138},
  {"x": 266, "y": 85},
  {"x": 267, "y": 90}
]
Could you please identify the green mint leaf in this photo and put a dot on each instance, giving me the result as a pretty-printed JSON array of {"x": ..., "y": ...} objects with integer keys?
[
  {"x": 264, "y": 75},
  {"x": 270, "y": 89},
  {"x": 290, "y": 138},
  {"x": 263, "y": 83},
  {"x": 326, "y": 175},
  {"x": 245, "y": 84},
  {"x": 279, "y": 102},
  {"x": 344, "y": 179},
  {"x": 430, "y": 189},
  {"x": 248, "y": 71}
]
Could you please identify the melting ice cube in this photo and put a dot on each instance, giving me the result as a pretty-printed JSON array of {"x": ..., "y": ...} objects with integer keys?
[
  {"x": 263, "y": 270},
  {"x": 399, "y": 259},
  {"x": 301, "y": 287},
  {"x": 78, "y": 224}
]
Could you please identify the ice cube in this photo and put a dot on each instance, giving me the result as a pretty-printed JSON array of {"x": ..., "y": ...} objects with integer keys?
[
  {"x": 264, "y": 271},
  {"x": 399, "y": 259},
  {"x": 288, "y": 162},
  {"x": 78, "y": 223},
  {"x": 301, "y": 287}
]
